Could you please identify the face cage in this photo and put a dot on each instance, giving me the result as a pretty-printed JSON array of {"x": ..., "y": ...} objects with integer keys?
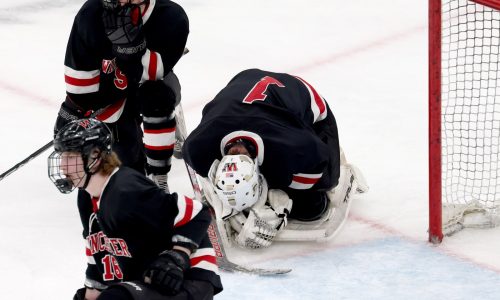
[
  {"x": 63, "y": 183},
  {"x": 247, "y": 144},
  {"x": 114, "y": 5}
]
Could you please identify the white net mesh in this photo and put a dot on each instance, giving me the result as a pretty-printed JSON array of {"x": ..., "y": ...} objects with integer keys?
[{"x": 470, "y": 114}]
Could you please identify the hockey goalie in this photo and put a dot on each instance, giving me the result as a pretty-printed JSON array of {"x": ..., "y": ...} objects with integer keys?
[{"x": 268, "y": 152}]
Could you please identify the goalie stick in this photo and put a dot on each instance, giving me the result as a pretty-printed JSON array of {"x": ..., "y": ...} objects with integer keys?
[{"x": 213, "y": 230}]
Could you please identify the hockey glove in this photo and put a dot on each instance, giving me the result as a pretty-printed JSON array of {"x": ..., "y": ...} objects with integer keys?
[
  {"x": 68, "y": 112},
  {"x": 157, "y": 99},
  {"x": 166, "y": 273},
  {"x": 263, "y": 223},
  {"x": 123, "y": 27},
  {"x": 80, "y": 294}
]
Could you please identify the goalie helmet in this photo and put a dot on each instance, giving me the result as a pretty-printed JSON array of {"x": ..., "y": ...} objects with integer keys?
[
  {"x": 237, "y": 182},
  {"x": 81, "y": 136}
]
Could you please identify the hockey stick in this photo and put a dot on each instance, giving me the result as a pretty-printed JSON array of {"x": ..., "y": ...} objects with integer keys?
[
  {"x": 43, "y": 148},
  {"x": 213, "y": 230},
  {"x": 26, "y": 160},
  {"x": 215, "y": 237}
]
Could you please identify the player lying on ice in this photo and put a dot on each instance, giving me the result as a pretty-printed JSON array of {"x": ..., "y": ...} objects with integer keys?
[
  {"x": 267, "y": 148},
  {"x": 141, "y": 242}
]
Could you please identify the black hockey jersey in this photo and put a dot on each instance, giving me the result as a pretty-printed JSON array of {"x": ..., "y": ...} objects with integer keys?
[
  {"x": 134, "y": 221},
  {"x": 94, "y": 79},
  {"x": 286, "y": 120}
]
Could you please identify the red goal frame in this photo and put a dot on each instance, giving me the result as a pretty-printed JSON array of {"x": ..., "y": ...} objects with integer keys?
[{"x": 435, "y": 194}]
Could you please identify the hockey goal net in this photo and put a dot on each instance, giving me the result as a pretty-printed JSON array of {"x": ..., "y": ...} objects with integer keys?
[{"x": 464, "y": 115}]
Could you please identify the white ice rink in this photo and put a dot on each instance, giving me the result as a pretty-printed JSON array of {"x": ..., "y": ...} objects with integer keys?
[{"x": 367, "y": 58}]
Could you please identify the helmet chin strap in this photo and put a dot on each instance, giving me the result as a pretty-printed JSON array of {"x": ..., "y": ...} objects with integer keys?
[{"x": 88, "y": 173}]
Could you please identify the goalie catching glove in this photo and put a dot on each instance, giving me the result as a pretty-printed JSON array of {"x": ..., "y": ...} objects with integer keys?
[{"x": 260, "y": 227}]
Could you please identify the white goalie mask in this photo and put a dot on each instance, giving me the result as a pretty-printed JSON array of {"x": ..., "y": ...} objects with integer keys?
[{"x": 237, "y": 181}]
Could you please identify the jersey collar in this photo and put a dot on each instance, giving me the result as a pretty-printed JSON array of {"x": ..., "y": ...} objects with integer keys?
[{"x": 147, "y": 12}]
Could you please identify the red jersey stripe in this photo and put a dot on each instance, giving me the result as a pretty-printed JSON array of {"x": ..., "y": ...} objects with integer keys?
[
  {"x": 188, "y": 213},
  {"x": 109, "y": 111},
  {"x": 167, "y": 147},
  {"x": 81, "y": 82},
  {"x": 157, "y": 131},
  {"x": 208, "y": 258},
  {"x": 317, "y": 97},
  {"x": 305, "y": 180},
  {"x": 153, "y": 65}
]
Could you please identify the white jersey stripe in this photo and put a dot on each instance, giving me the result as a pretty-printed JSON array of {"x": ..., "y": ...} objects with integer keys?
[
  {"x": 188, "y": 209},
  {"x": 203, "y": 251},
  {"x": 318, "y": 104},
  {"x": 149, "y": 9},
  {"x": 302, "y": 181},
  {"x": 80, "y": 74},
  {"x": 206, "y": 266},
  {"x": 88, "y": 253},
  {"x": 81, "y": 82},
  {"x": 112, "y": 113},
  {"x": 152, "y": 66},
  {"x": 159, "y": 138}
]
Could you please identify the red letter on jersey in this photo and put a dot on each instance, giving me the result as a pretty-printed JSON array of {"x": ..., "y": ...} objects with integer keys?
[
  {"x": 120, "y": 80},
  {"x": 258, "y": 90}
]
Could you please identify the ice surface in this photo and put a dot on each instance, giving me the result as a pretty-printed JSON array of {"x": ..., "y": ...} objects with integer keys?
[{"x": 368, "y": 59}]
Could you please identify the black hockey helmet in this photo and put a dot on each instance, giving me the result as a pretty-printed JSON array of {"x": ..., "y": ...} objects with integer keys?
[{"x": 82, "y": 136}]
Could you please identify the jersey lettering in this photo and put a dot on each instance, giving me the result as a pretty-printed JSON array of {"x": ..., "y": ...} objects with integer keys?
[
  {"x": 99, "y": 242},
  {"x": 257, "y": 93},
  {"x": 120, "y": 80},
  {"x": 111, "y": 268}
]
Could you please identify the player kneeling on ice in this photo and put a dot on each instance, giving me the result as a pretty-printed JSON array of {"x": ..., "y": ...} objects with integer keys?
[
  {"x": 267, "y": 148},
  {"x": 141, "y": 242}
]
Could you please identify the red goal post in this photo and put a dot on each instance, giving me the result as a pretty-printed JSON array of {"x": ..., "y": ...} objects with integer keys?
[{"x": 464, "y": 115}]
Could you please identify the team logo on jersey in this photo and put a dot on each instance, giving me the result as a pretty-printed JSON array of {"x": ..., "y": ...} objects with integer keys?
[
  {"x": 108, "y": 66},
  {"x": 84, "y": 123}
]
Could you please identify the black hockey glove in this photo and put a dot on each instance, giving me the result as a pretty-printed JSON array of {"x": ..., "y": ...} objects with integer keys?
[
  {"x": 123, "y": 27},
  {"x": 68, "y": 112},
  {"x": 166, "y": 273},
  {"x": 156, "y": 98},
  {"x": 80, "y": 294}
]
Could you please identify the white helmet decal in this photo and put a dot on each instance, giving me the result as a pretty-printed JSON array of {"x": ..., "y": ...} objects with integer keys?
[{"x": 237, "y": 182}]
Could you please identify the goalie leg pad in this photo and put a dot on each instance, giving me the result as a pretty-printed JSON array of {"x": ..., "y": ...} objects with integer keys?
[
  {"x": 342, "y": 191},
  {"x": 361, "y": 184},
  {"x": 340, "y": 199},
  {"x": 351, "y": 181}
]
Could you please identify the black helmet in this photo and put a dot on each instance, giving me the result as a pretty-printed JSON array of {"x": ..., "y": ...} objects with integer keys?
[
  {"x": 114, "y": 4},
  {"x": 109, "y": 4},
  {"x": 82, "y": 136}
]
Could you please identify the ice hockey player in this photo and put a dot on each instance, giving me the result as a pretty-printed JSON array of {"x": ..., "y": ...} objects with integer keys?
[
  {"x": 141, "y": 242},
  {"x": 269, "y": 147},
  {"x": 118, "y": 67}
]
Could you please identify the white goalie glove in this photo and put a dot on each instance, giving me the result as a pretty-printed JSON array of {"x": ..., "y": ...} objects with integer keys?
[{"x": 264, "y": 221}]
